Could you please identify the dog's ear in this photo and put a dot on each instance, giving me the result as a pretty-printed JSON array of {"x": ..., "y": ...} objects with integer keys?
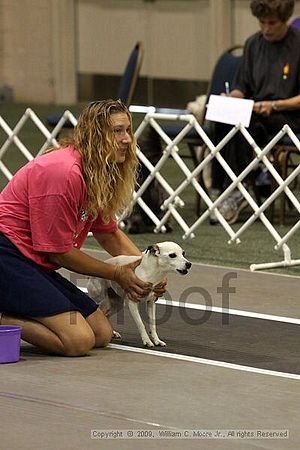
[{"x": 153, "y": 250}]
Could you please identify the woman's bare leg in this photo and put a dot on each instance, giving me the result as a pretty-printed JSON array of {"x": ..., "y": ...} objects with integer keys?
[
  {"x": 101, "y": 327},
  {"x": 66, "y": 334}
]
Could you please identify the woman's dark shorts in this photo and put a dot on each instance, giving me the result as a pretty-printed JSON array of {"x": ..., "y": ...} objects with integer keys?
[{"x": 28, "y": 290}]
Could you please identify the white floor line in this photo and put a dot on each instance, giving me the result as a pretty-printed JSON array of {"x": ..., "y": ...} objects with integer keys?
[
  {"x": 233, "y": 312},
  {"x": 207, "y": 362}
]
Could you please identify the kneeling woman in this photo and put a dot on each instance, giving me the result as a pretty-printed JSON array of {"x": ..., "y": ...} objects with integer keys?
[{"x": 46, "y": 212}]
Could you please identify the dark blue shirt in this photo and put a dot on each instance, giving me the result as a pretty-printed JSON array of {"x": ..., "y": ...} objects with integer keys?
[{"x": 270, "y": 70}]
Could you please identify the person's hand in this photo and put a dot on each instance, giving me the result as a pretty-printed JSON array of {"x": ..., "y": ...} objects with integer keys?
[
  {"x": 263, "y": 108},
  {"x": 160, "y": 288},
  {"x": 135, "y": 288}
]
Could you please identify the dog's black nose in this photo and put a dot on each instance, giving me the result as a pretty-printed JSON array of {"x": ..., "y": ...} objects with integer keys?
[{"x": 188, "y": 265}]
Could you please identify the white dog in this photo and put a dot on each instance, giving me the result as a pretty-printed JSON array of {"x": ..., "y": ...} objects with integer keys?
[{"x": 156, "y": 262}]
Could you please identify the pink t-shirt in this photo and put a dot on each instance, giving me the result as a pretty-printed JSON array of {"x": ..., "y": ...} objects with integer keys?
[{"x": 42, "y": 207}]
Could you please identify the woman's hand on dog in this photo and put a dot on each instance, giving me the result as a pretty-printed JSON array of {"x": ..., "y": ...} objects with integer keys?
[
  {"x": 160, "y": 288},
  {"x": 135, "y": 288}
]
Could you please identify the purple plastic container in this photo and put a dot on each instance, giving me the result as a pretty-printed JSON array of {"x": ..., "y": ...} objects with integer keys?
[{"x": 10, "y": 342}]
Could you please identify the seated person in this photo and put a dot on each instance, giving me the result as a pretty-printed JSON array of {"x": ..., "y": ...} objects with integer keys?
[{"x": 269, "y": 74}]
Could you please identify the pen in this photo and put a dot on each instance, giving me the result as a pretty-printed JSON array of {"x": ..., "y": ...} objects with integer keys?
[{"x": 227, "y": 90}]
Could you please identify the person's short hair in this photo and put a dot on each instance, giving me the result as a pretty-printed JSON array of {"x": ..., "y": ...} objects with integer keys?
[{"x": 283, "y": 9}]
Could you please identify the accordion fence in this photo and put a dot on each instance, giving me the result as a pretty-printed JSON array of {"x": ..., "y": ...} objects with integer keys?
[{"x": 172, "y": 206}]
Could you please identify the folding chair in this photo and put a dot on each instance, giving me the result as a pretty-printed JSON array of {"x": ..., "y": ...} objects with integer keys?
[
  {"x": 131, "y": 74},
  {"x": 126, "y": 87}
]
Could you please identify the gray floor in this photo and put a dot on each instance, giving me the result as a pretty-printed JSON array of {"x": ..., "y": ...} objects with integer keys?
[{"x": 54, "y": 402}]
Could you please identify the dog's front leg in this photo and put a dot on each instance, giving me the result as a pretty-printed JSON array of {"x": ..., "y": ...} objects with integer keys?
[
  {"x": 151, "y": 308},
  {"x": 134, "y": 310}
]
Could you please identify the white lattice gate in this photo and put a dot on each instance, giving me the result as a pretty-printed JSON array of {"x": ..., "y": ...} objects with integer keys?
[{"x": 173, "y": 204}]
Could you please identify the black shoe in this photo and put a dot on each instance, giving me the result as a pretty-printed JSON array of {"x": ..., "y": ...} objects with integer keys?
[{"x": 213, "y": 221}]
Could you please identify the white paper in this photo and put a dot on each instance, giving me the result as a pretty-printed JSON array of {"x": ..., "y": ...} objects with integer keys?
[{"x": 230, "y": 110}]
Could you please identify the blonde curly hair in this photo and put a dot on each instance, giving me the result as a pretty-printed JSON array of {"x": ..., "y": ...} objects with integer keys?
[{"x": 110, "y": 184}]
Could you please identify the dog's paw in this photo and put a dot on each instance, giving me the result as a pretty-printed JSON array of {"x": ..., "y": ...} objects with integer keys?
[
  {"x": 155, "y": 339},
  {"x": 116, "y": 335},
  {"x": 159, "y": 342},
  {"x": 148, "y": 343}
]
